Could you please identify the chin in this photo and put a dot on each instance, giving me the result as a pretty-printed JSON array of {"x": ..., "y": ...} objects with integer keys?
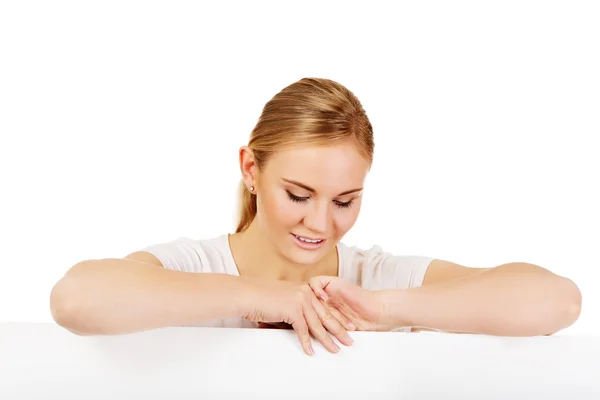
[{"x": 306, "y": 260}]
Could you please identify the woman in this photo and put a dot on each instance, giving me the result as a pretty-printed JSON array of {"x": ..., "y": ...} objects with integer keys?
[{"x": 303, "y": 174}]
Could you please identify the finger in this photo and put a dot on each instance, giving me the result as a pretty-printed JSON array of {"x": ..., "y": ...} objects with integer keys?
[
  {"x": 341, "y": 318},
  {"x": 333, "y": 325},
  {"x": 301, "y": 328},
  {"x": 347, "y": 312},
  {"x": 333, "y": 304},
  {"x": 353, "y": 296},
  {"x": 337, "y": 296},
  {"x": 318, "y": 330},
  {"x": 317, "y": 286}
]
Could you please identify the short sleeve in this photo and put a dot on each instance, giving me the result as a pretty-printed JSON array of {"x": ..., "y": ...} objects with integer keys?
[
  {"x": 379, "y": 270},
  {"x": 181, "y": 254}
]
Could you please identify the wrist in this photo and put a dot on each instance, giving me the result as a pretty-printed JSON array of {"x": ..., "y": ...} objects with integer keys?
[
  {"x": 396, "y": 304},
  {"x": 246, "y": 296}
]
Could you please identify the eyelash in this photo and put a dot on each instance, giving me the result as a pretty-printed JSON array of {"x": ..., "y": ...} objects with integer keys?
[{"x": 303, "y": 199}]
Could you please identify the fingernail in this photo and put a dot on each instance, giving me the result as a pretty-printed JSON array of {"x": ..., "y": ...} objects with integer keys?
[
  {"x": 350, "y": 340},
  {"x": 324, "y": 298},
  {"x": 311, "y": 351},
  {"x": 336, "y": 348},
  {"x": 351, "y": 325}
]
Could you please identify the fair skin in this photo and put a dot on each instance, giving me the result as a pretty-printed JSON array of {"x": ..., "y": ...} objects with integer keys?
[
  {"x": 313, "y": 192},
  {"x": 130, "y": 294},
  {"x": 281, "y": 282},
  {"x": 267, "y": 248},
  {"x": 476, "y": 300}
]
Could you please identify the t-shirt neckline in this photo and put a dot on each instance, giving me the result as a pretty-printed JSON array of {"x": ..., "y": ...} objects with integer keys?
[{"x": 232, "y": 268}]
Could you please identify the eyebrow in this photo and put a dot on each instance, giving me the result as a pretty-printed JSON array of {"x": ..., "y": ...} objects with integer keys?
[{"x": 313, "y": 190}]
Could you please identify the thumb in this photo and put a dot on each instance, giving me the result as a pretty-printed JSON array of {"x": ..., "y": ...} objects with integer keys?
[{"x": 319, "y": 284}]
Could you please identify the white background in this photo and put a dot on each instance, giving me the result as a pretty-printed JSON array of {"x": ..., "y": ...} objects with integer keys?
[{"x": 120, "y": 126}]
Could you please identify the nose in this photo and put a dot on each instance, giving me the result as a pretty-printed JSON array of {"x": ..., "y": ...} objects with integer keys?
[{"x": 318, "y": 217}]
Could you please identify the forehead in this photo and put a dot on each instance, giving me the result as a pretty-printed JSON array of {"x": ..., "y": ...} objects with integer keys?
[{"x": 338, "y": 166}]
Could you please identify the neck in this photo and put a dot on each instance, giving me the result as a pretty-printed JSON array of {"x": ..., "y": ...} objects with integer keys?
[{"x": 255, "y": 255}]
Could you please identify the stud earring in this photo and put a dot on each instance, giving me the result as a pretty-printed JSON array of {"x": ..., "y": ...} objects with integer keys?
[{"x": 251, "y": 189}]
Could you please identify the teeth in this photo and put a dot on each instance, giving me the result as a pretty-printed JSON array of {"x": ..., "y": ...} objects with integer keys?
[{"x": 307, "y": 240}]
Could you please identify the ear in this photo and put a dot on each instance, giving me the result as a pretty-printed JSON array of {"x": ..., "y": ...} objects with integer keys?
[{"x": 248, "y": 165}]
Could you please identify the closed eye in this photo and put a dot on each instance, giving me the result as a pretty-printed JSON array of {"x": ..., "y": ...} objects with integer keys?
[{"x": 304, "y": 199}]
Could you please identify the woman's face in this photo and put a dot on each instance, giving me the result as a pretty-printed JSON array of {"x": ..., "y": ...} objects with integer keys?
[{"x": 312, "y": 192}]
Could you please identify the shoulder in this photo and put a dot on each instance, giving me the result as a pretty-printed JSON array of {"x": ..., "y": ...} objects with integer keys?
[
  {"x": 375, "y": 269},
  {"x": 191, "y": 255}
]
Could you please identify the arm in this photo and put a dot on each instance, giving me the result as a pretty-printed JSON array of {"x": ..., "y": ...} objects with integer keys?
[
  {"x": 515, "y": 299},
  {"x": 119, "y": 295}
]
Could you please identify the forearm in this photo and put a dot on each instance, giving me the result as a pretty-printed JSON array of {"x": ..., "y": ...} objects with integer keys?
[
  {"x": 515, "y": 299},
  {"x": 115, "y": 296}
]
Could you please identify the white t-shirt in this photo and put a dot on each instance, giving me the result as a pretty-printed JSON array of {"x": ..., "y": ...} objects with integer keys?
[{"x": 371, "y": 269}]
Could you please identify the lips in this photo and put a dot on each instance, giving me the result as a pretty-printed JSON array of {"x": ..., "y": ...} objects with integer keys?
[
  {"x": 307, "y": 237},
  {"x": 307, "y": 245}
]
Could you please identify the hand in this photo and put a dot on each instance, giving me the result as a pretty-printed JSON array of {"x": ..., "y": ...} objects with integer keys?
[
  {"x": 294, "y": 303},
  {"x": 366, "y": 309}
]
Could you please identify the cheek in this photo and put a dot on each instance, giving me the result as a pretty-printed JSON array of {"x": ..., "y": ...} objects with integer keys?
[
  {"x": 278, "y": 210},
  {"x": 345, "y": 219}
]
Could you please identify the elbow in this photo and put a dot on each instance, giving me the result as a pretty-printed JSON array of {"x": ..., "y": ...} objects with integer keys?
[
  {"x": 574, "y": 304},
  {"x": 61, "y": 303},
  {"x": 64, "y": 306},
  {"x": 572, "y": 300},
  {"x": 569, "y": 310}
]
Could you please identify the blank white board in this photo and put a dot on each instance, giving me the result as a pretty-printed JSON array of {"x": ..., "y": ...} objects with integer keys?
[{"x": 44, "y": 361}]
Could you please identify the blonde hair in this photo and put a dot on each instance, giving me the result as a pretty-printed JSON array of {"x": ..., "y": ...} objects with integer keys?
[{"x": 310, "y": 112}]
